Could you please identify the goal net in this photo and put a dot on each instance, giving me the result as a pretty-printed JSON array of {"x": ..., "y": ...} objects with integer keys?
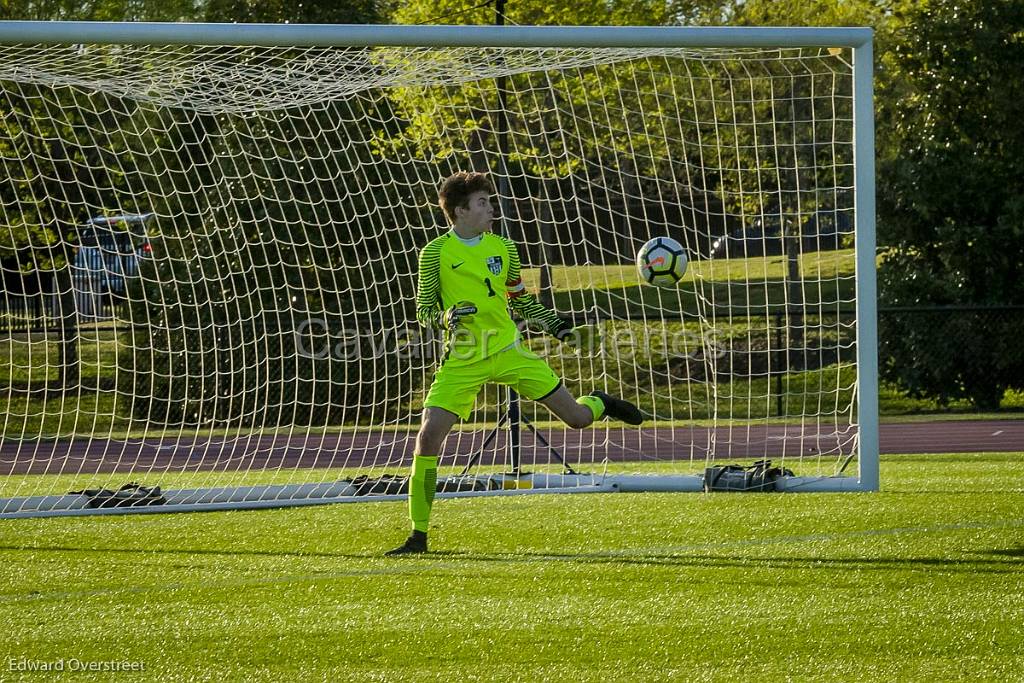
[{"x": 210, "y": 257}]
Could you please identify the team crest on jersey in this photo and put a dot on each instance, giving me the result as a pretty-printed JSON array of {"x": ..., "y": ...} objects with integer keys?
[{"x": 494, "y": 264}]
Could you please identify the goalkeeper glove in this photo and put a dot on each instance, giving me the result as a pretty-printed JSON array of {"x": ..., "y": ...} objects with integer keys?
[
  {"x": 457, "y": 314},
  {"x": 585, "y": 339}
]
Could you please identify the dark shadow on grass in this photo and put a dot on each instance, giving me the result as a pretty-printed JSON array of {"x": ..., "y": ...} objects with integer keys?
[
  {"x": 625, "y": 558},
  {"x": 1017, "y": 552},
  {"x": 188, "y": 551},
  {"x": 739, "y": 561}
]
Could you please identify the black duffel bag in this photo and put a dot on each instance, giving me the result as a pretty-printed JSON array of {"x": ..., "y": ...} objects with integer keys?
[
  {"x": 760, "y": 476},
  {"x": 129, "y": 495}
]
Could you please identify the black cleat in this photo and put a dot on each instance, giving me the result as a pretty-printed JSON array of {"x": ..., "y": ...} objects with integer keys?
[
  {"x": 617, "y": 409},
  {"x": 416, "y": 543}
]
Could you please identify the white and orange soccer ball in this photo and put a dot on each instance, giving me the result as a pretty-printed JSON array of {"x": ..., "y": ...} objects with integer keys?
[{"x": 661, "y": 262}]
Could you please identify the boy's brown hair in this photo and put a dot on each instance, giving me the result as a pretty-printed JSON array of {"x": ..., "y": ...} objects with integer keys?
[{"x": 455, "y": 191}]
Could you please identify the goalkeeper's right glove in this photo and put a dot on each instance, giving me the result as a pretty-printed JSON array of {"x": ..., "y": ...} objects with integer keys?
[{"x": 457, "y": 314}]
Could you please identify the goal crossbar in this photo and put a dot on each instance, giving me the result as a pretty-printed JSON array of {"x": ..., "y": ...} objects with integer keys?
[{"x": 362, "y": 35}]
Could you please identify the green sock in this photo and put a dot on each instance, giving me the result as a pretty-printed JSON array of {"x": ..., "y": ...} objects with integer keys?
[
  {"x": 422, "y": 487},
  {"x": 595, "y": 404}
]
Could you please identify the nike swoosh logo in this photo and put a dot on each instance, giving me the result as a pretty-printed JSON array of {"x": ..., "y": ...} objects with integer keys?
[{"x": 456, "y": 265}]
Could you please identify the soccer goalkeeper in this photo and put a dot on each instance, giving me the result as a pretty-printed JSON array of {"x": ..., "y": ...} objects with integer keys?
[{"x": 468, "y": 280}]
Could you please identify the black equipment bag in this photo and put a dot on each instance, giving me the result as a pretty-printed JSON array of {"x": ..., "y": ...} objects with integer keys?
[
  {"x": 393, "y": 484},
  {"x": 385, "y": 484},
  {"x": 130, "y": 495},
  {"x": 760, "y": 476}
]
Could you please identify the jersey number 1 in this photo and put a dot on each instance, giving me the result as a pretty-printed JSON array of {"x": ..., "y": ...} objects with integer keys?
[{"x": 490, "y": 290}]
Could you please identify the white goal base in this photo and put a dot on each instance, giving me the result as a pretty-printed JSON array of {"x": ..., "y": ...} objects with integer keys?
[{"x": 324, "y": 493}]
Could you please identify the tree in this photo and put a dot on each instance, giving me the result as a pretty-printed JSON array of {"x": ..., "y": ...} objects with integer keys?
[
  {"x": 213, "y": 339},
  {"x": 276, "y": 218},
  {"x": 690, "y": 147},
  {"x": 648, "y": 120},
  {"x": 951, "y": 202},
  {"x": 98, "y": 10},
  {"x": 289, "y": 11},
  {"x": 42, "y": 209}
]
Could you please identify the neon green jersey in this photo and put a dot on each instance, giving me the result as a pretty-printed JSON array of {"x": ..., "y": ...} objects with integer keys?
[{"x": 486, "y": 272}]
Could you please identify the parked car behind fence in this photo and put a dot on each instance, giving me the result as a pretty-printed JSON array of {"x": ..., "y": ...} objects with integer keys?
[
  {"x": 821, "y": 231},
  {"x": 107, "y": 256}
]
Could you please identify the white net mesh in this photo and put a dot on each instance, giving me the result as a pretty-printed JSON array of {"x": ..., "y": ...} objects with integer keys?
[{"x": 247, "y": 316}]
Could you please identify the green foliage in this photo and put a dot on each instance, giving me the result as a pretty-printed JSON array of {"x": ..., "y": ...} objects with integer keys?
[
  {"x": 81, "y": 165},
  {"x": 639, "y": 117},
  {"x": 99, "y": 10},
  {"x": 871, "y": 13},
  {"x": 951, "y": 205},
  {"x": 231, "y": 278},
  {"x": 85, "y": 166},
  {"x": 72, "y": 159},
  {"x": 948, "y": 354},
  {"x": 538, "y": 13},
  {"x": 288, "y": 11}
]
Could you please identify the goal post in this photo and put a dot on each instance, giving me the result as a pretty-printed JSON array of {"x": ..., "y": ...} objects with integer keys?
[{"x": 255, "y": 343}]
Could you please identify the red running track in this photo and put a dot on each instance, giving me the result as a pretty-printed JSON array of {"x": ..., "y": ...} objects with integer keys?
[{"x": 394, "y": 449}]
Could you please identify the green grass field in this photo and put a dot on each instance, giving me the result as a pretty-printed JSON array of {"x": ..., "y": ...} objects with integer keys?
[{"x": 923, "y": 581}]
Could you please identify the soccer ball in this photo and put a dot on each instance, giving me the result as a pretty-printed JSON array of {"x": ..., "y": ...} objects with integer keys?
[{"x": 661, "y": 262}]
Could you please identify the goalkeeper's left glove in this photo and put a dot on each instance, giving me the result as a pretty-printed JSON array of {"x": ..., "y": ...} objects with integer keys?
[
  {"x": 585, "y": 339},
  {"x": 457, "y": 314}
]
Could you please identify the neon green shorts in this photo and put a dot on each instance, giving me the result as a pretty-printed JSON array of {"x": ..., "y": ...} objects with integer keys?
[{"x": 456, "y": 386}]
